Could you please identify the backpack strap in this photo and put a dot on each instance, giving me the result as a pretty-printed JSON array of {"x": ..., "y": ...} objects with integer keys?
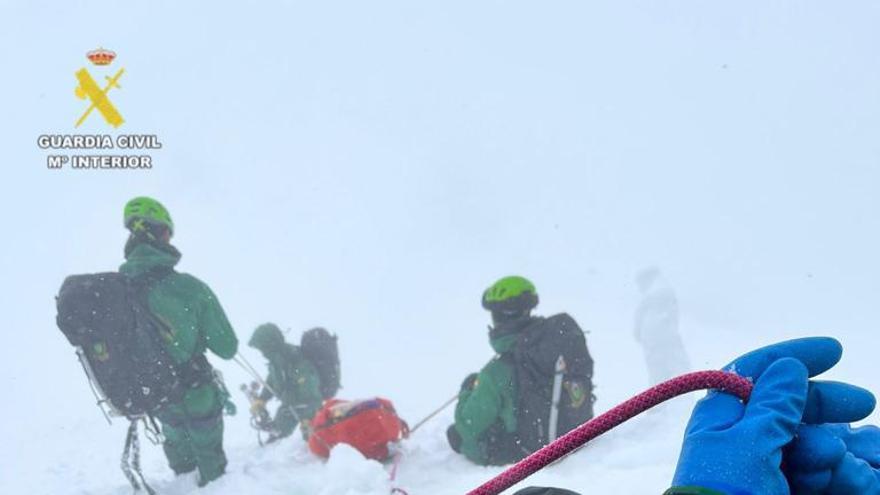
[
  {"x": 196, "y": 372},
  {"x": 193, "y": 373}
]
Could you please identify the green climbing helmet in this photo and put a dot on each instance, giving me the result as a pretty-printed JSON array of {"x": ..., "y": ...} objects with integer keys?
[
  {"x": 144, "y": 209},
  {"x": 511, "y": 294}
]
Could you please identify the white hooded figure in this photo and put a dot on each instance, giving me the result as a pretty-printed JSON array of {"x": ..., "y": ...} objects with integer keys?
[{"x": 656, "y": 328}]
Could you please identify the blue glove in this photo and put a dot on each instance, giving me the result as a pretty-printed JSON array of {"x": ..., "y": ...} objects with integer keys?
[
  {"x": 737, "y": 448},
  {"x": 834, "y": 459}
]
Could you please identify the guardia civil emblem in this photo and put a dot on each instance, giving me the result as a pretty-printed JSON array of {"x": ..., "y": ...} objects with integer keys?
[{"x": 89, "y": 90}]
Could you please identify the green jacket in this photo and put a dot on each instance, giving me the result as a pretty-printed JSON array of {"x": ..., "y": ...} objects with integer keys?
[
  {"x": 491, "y": 404},
  {"x": 295, "y": 379},
  {"x": 192, "y": 313}
]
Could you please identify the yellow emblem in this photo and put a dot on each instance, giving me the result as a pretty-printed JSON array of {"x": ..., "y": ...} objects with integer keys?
[{"x": 88, "y": 88}]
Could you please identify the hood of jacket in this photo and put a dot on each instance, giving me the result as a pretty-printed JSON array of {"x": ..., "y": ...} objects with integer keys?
[
  {"x": 503, "y": 337},
  {"x": 145, "y": 258}
]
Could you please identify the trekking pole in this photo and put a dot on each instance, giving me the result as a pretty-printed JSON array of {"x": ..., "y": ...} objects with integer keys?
[{"x": 431, "y": 416}]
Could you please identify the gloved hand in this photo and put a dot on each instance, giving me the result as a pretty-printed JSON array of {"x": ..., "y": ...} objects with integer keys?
[
  {"x": 469, "y": 382},
  {"x": 229, "y": 408},
  {"x": 834, "y": 459},
  {"x": 736, "y": 448},
  {"x": 257, "y": 407}
]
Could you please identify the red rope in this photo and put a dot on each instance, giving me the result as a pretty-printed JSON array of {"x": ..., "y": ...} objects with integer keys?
[
  {"x": 564, "y": 445},
  {"x": 396, "y": 490}
]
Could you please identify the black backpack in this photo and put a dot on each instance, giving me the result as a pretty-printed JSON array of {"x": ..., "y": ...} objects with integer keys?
[
  {"x": 322, "y": 350},
  {"x": 534, "y": 360},
  {"x": 122, "y": 344}
]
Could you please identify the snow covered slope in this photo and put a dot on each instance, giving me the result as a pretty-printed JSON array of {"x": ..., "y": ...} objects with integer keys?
[
  {"x": 75, "y": 452},
  {"x": 83, "y": 458}
]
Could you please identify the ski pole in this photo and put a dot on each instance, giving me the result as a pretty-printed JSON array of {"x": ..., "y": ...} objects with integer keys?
[{"x": 431, "y": 416}]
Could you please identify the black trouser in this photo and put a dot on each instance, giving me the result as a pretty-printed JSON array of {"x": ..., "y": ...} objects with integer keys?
[{"x": 501, "y": 446}]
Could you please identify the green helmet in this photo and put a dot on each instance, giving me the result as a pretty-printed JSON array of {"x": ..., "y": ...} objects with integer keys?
[
  {"x": 267, "y": 337},
  {"x": 511, "y": 294},
  {"x": 144, "y": 209}
]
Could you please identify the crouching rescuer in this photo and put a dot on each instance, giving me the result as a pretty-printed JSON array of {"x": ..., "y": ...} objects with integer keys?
[
  {"x": 300, "y": 377},
  {"x": 142, "y": 334},
  {"x": 537, "y": 387},
  {"x": 305, "y": 379}
]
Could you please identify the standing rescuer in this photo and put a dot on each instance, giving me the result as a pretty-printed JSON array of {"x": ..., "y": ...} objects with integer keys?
[
  {"x": 195, "y": 321},
  {"x": 537, "y": 387}
]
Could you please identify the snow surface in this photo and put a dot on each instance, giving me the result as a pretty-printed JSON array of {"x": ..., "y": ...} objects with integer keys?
[
  {"x": 656, "y": 329},
  {"x": 372, "y": 166},
  {"x": 84, "y": 455}
]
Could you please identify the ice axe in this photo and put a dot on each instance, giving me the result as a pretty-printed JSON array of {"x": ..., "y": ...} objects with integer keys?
[{"x": 557, "y": 393}]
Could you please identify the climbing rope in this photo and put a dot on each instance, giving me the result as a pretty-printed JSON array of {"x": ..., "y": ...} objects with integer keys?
[
  {"x": 392, "y": 478},
  {"x": 131, "y": 460},
  {"x": 434, "y": 413},
  {"x": 576, "y": 438}
]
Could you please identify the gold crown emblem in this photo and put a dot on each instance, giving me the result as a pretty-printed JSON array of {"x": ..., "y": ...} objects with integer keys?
[{"x": 101, "y": 56}]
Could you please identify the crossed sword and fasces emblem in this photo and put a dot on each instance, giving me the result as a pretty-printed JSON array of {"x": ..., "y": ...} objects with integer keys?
[{"x": 88, "y": 88}]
